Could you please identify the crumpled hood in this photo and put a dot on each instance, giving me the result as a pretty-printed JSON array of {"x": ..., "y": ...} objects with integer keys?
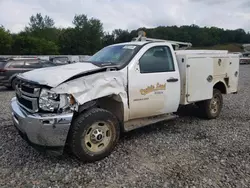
[
  {"x": 53, "y": 76},
  {"x": 95, "y": 86}
]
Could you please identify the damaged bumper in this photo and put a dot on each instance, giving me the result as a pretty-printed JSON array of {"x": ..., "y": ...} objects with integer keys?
[{"x": 47, "y": 132}]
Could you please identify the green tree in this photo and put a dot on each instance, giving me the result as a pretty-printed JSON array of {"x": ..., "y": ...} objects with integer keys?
[
  {"x": 84, "y": 38},
  {"x": 108, "y": 39},
  {"x": 39, "y": 22},
  {"x": 67, "y": 42},
  {"x": 5, "y": 41},
  {"x": 122, "y": 35},
  {"x": 42, "y": 27},
  {"x": 87, "y": 36},
  {"x": 26, "y": 45}
]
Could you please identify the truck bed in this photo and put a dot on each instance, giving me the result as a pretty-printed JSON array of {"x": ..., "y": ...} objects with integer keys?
[{"x": 200, "y": 70}]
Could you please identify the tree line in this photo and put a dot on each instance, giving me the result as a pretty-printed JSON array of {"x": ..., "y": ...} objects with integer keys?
[{"x": 41, "y": 37}]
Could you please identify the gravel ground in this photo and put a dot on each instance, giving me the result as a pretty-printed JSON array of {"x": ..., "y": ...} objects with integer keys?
[{"x": 186, "y": 152}]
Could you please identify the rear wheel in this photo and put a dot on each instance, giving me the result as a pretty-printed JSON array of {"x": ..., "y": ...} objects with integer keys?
[
  {"x": 94, "y": 134},
  {"x": 210, "y": 109}
]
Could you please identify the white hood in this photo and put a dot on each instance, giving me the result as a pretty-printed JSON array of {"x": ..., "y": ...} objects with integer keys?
[{"x": 53, "y": 76}]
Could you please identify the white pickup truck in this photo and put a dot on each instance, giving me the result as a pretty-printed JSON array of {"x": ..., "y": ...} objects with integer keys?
[{"x": 120, "y": 88}]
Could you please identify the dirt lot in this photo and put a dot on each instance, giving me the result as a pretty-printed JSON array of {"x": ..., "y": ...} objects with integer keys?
[{"x": 186, "y": 152}]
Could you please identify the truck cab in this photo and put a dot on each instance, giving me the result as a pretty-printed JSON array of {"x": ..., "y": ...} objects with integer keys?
[{"x": 120, "y": 88}]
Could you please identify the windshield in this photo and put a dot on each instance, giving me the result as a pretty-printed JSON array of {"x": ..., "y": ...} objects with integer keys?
[{"x": 118, "y": 55}]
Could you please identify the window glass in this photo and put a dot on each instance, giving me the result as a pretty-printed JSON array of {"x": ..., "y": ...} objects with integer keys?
[
  {"x": 60, "y": 60},
  {"x": 16, "y": 64},
  {"x": 2, "y": 64},
  {"x": 45, "y": 63},
  {"x": 32, "y": 64},
  {"x": 157, "y": 59}
]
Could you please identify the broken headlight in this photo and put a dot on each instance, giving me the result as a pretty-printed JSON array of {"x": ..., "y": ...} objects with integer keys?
[{"x": 49, "y": 101}]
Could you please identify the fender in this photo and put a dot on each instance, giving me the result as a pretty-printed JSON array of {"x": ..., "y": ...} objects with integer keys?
[
  {"x": 224, "y": 83},
  {"x": 92, "y": 87}
]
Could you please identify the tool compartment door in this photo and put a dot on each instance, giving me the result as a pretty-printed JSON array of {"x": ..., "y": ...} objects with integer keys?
[
  {"x": 199, "y": 79},
  {"x": 233, "y": 74}
]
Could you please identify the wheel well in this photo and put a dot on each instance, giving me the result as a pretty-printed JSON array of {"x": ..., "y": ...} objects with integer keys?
[
  {"x": 221, "y": 87},
  {"x": 112, "y": 103},
  {"x": 12, "y": 78}
]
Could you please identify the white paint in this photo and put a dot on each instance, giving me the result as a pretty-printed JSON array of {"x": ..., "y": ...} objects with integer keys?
[
  {"x": 202, "y": 64},
  {"x": 154, "y": 104},
  {"x": 231, "y": 70},
  {"x": 128, "y": 82},
  {"x": 97, "y": 85},
  {"x": 200, "y": 52},
  {"x": 198, "y": 87},
  {"x": 53, "y": 76}
]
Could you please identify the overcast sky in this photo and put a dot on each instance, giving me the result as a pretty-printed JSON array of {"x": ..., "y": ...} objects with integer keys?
[{"x": 130, "y": 14}]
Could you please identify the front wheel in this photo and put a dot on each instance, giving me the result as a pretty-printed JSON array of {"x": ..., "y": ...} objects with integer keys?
[
  {"x": 94, "y": 134},
  {"x": 210, "y": 109}
]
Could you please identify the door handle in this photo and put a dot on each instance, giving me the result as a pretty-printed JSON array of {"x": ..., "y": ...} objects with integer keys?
[{"x": 172, "y": 80}]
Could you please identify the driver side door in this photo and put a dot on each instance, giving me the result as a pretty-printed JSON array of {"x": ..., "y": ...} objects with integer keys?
[{"x": 154, "y": 83}]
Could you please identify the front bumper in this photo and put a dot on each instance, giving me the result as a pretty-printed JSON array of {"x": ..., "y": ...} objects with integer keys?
[{"x": 43, "y": 131}]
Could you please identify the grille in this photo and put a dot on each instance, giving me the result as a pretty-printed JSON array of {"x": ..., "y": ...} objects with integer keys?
[
  {"x": 25, "y": 102},
  {"x": 27, "y": 89},
  {"x": 27, "y": 94}
]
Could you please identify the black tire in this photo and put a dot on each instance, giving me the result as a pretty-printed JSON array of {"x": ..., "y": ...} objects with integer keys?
[
  {"x": 9, "y": 87},
  {"x": 84, "y": 123},
  {"x": 13, "y": 83},
  {"x": 206, "y": 107}
]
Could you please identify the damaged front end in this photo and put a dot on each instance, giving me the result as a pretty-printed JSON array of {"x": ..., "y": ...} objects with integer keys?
[
  {"x": 42, "y": 117},
  {"x": 43, "y": 113}
]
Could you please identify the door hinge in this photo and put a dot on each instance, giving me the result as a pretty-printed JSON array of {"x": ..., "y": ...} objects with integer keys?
[
  {"x": 188, "y": 66},
  {"x": 187, "y": 95}
]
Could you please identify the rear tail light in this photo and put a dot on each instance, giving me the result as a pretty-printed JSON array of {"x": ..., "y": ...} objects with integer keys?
[{"x": 3, "y": 70}]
